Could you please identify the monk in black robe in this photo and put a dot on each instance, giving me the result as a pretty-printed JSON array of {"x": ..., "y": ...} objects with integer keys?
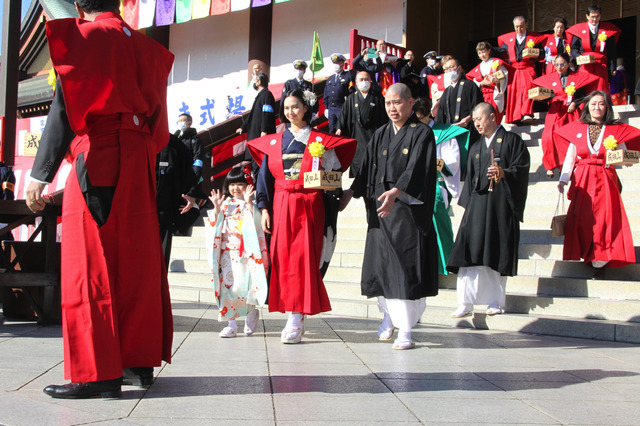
[
  {"x": 486, "y": 249},
  {"x": 397, "y": 180},
  {"x": 362, "y": 114}
]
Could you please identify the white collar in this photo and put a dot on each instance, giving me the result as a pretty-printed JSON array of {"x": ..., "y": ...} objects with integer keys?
[
  {"x": 489, "y": 139},
  {"x": 593, "y": 28},
  {"x": 520, "y": 38}
]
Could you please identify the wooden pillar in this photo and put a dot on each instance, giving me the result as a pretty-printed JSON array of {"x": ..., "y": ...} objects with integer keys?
[
  {"x": 260, "y": 28},
  {"x": 9, "y": 77}
]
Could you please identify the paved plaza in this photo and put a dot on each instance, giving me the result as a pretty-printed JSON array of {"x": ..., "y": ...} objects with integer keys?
[{"x": 339, "y": 374}]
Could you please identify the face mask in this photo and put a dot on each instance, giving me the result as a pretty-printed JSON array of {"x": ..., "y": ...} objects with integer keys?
[
  {"x": 431, "y": 62},
  {"x": 452, "y": 75},
  {"x": 337, "y": 68},
  {"x": 363, "y": 86},
  {"x": 182, "y": 126},
  {"x": 299, "y": 73}
]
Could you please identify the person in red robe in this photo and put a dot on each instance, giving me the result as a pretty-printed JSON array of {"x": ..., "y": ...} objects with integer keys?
[
  {"x": 597, "y": 228},
  {"x": 494, "y": 90},
  {"x": 567, "y": 86},
  {"x": 295, "y": 216},
  {"x": 555, "y": 43},
  {"x": 598, "y": 39},
  {"x": 512, "y": 45},
  {"x": 116, "y": 311}
]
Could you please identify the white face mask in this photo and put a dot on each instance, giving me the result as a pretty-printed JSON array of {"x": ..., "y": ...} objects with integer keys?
[
  {"x": 337, "y": 68},
  {"x": 452, "y": 76},
  {"x": 299, "y": 74},
  {"x": 182, "y": 126},
  {"x": 363, "y": 86},
  {"x": 431, "y": 62}
]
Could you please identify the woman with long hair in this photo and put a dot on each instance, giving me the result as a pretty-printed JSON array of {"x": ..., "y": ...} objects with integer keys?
[
  {"x": 597, "y": 228},
  {"x": 295, "y": 216}
]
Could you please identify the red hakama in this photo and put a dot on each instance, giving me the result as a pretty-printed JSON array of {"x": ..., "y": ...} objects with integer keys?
[
  {"x": 115, "y": 296},
  {"x": 558, "y": 115},
  {"x": 600, "y": 68},
  {"x": 297, "y": 226},
  {"x": 597, "y": 226},
  {"x": 518, "y": 102}
]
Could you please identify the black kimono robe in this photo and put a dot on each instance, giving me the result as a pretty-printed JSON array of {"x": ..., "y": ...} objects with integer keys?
[
  {"x": 401, "y": 252},
  {"x": 361, "y": 116},
  {"x": 262, "y": 117},
  {"x": 489, "y": 233}
]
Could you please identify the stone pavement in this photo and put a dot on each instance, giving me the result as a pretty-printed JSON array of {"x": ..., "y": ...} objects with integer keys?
[{"x": 339, "y": 374}]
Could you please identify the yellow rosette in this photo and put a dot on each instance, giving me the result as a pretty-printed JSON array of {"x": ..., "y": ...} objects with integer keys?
[
  {"x": 570, "y": 90},
  {"x": 317, "y": 150},
  {"x": 602, "y": 37},
  {"x": 610, "y": 143},
  {"x": 495, "y": 64},
  {"x": 51, "y": 79},
  {"x": 567, "y": 48},
  {"x": 530, "y": 44}
]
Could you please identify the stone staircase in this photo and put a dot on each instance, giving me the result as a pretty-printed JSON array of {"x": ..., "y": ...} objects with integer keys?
[{"x": 549, "y": 296}]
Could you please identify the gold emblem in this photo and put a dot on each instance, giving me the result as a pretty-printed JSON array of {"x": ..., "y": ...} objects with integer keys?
[
  {"x": 405, "y": 151},
  {"x": 499, "y": 140},
  {"x": 477, "y": 156},
  {"x": 384, "y": 152},
  {"x": 413, "y": 125},
  {"x": 462, "y": 83},
  {"x": 457, "y": 117},
  {"x": 459, "y": 99},
  {"x": 356, "y": 105}
]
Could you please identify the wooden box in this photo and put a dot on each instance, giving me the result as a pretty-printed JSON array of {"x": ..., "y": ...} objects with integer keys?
[
  {"x": 540, "y": 93},
  {"x": 499, "y": 75},
  {"x": 323, "y": 180},
  {"x": 531, "y": 53},
  {"x": 622, "y": 157},
  {"x": 585, "y": 59}
]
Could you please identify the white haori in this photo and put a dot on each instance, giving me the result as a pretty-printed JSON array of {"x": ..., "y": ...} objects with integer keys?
[
  {"x": 404, "y": 314},
  {"x": 480, "y": 285}
]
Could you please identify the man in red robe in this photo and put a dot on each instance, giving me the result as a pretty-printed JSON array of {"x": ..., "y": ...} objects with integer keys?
[
  {"x": 598, "y": 39},
  {"x": 512, "y": 45},
  {"x": 111, "y": 93}
]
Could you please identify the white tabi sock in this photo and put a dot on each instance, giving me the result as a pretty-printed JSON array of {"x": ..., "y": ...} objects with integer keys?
[
  {"x": 404, "y": 338},
  {"x": 294, "y": 321},
  {"x": 232, "y": 324}
]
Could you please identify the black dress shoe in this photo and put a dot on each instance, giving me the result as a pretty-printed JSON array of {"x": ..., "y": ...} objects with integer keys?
[
  {"x": 102, "y": 389},
  {"x": 598, "y": 273},
  {"x": 138, "y": 376}
]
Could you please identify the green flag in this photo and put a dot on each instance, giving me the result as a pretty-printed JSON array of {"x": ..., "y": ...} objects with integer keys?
[{"x": 317, "y": 61}]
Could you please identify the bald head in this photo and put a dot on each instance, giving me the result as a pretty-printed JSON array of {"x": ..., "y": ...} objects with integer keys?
[
  {"x": 401, "y": 89},
  {"x": 398, "y": 103},
  {"x": 484, "y": 119}
]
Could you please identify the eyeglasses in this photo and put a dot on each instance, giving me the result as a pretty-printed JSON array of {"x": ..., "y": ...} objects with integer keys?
[
  {"x": 451, "y": 68},
  {"x": 560, "y": 65}
]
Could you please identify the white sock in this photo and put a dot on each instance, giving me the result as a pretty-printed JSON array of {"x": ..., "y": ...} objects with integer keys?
[
  {"x": 386, "y": 322},
  {"x": 232, "y": 324},
  {"x": 404, "y": 337},
  {"x": 294, "y": 321}
]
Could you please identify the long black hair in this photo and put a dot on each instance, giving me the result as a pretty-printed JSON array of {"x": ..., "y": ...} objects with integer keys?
[
  {"x": 297, "y": 93},
  {"x": 585, "y": 116},
  {"x": 235, "y": 175}
]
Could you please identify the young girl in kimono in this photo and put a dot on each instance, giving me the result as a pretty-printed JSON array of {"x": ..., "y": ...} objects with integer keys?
[{"x": 237, "y": 252}]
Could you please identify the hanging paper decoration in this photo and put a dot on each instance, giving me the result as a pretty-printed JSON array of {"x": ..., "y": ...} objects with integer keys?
[
  {"x": 147, "y": 11},
  {"x": 201, "y": 8},
  {"x": 258, "y": 3},
  {"x": 165, "y": 12},
  {"x": 130, "y": 12},
  {"x": 220, "y": 7},
  {"x": 240, "y": 5},
  {"x": 183, "y": 10}
]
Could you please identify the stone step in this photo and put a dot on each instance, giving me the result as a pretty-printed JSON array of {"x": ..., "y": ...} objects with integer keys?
[
  {"x": 190, "y": 279},
  {"x": 606, "y": 330}
]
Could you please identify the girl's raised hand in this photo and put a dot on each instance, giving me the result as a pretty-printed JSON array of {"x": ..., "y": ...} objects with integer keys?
[
  {"x": 217, "y": 198},
  {"x": 248, "y": 193}
]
